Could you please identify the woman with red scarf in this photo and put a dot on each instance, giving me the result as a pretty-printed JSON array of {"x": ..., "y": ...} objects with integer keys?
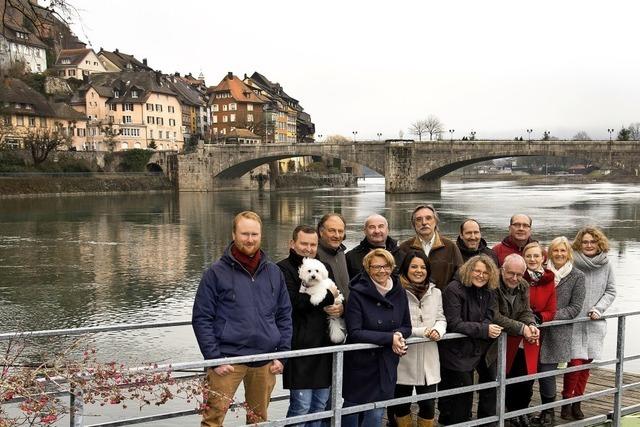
[{"x": 522, "y": 356}]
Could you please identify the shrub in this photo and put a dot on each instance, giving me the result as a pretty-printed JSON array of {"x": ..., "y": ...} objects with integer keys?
[{"x": 135, "y": 160}]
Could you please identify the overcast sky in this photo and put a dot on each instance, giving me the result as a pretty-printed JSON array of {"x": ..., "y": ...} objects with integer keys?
[{"x": 496, "y": 67}]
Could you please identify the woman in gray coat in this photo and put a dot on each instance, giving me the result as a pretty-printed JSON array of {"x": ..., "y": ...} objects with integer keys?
[
  {"x": 556, "y": 340},
  {"x": 591, "y": 249}
]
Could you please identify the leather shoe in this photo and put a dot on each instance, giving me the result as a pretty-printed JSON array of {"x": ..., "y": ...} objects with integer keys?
[
  {"x": 565, "y": 412},
  {"x": 576, "y": 411}
]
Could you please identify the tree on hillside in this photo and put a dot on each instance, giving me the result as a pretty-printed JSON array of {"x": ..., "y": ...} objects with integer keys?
[
  {"x": 433, "y": 126},
  {"x": 634, "y": 129},
  {"x": 110, "y": 135},
  {"x": 418, "y": 128},
  {"x": 581, "y": 136},
  {"x": 41, "y": 142},
  {"x": 336, "y": 139},
  {"x": 624, "y": 134}
]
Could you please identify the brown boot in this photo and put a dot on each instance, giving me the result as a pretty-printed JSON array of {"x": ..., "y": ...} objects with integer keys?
[
  {"x": 577, "y": 411},
  {"x": 405, "y": 421},
  {"x": 424, "y": 422},
  {"x": 565, "y": 412}
]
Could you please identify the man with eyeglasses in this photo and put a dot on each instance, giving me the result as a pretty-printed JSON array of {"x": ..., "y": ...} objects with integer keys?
[
  {"x": 519, "y": 236},
  {"x": 444, "y": 256},
  {"x": 376, "y": 235}
]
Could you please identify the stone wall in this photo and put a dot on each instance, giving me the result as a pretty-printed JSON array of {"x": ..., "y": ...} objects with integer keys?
[{"x": 311, "y": 180}]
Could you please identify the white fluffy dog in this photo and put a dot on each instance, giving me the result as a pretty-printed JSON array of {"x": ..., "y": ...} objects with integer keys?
[{"x": 316, "y": 283}]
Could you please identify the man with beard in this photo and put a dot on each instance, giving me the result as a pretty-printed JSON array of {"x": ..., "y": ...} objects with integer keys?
[
  {"x": 519, "y": 236},
  {"x": 471, "y": 243},
  {"x": 376, "y": 235},
  {"x": 242, "y": 308},
  {"x": 444, "y": 256}
]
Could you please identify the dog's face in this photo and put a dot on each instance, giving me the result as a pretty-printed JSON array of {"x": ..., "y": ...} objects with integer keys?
[{"x": 312, "y": 272}]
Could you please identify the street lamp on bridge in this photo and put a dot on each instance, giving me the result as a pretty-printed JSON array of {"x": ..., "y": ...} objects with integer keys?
[
  {"x": 451, "y": 131},
  {"x": 355, "y": 133},
  {"x": 610, "y": 132},
  {"x": 529, "y": 132},
  {"x": 319, "y": 137},
  {"x": 379, "y": 135},
  {"x": 473, "y": 135}
]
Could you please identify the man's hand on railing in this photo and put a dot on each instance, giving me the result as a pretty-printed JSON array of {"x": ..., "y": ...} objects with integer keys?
[
  {"x": 223, "y": 370},
  {"x": 494, "y": 330},
  {"x": 531, "y": 334},
  {"x": 276, "y": 367}
]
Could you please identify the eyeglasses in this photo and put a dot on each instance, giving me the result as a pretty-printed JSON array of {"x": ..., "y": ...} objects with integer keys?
[
  {"x": 512, "y": 274},
  {"x": 380, "y": 268},
  {"x": 520, "y": 225},
  {"x": 481, "y": 273},
  {"x": 589, "y": 242}
]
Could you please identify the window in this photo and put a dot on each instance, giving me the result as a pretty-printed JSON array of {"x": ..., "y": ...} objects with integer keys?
[
  {"x": 233, "y": 106},
  {"x": 232, "y": 118},
  {"x": 249, "y": 107},
  {"x": 149, "y": 107},
  {"x": 113, "y": 107},
  {"x": 127, "y": 107},
  {"x": 151, "y": 133},
  {"x": 249, "y": 117},
  {"x": 160, "y": 134},
  {"x": 81, "y": 132},
  {"x": 151, "y": 120},
  {"x": 72, "y": 72},
  {"x": 215, "y": 119},
  {"x": 225, "y": 119},
  {"x": 126, "y": 119},
  {"x": 65, "y": 61},
  {"x": 116, "y": 94},
  {"x": 6, "y": 120},
  {"x": 159, "y": 107},
  {"x": 134, "y": 93},
  {"x": 171, "y": 109},
  {"x": 172, "y": 122},
  {"x": 159, "y": 121},
  {"x": 225, "y": 107},
  {"x": 95, "y": 63},
  {"x": 111, "y": 119},
  {"x": 43, "y": 122},
  {"x": 20, "y": 120},
  {"x": 32, "y": 121},
  {"x": 87, "y": 62},
  {"x": 175, "y": 135},
  {"x": 215, "y": 107}
]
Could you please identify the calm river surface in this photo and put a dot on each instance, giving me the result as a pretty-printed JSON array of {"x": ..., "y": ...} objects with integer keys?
[{"x": 97, "y": 260}]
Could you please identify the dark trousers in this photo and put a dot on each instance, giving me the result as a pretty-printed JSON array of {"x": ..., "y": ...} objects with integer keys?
[
  {"x": 487, "y": 398},
  {"x": 426, "y": 407},
  {"x": 547, "y": 384},
  {"x": 518, "y": 396},
  {"x": 456, "y": 408}
]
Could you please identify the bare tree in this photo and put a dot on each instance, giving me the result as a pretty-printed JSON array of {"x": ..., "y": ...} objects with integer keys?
[
  {"x": 41, "y": 143},
  {"x": 581, "y": 136},
  {"x": 418, "y": 128},
  {"x": 336, "y": 139},
  {"x": 433, "y": 126},
  {"x": 634, "y": 129}
]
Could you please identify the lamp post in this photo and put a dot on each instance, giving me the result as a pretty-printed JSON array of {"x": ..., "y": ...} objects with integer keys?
[
  {"x": 473, "y": 135},
  {"x": 547, "y": 135},
  {"x": 529, "y": 132},
  {"x": 451, "y": 131},
  {"x": 379, "y": 135},
  {"x": 610, "y": 132},
  {"x": 319, "y": 137},
  {"x": 355, "y": 133}
]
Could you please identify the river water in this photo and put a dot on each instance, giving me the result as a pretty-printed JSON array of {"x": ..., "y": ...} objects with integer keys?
[{"x": 95, "y": 260}]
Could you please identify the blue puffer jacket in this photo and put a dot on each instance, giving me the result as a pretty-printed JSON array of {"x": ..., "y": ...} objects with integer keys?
[{"x": 235, "y": 314}]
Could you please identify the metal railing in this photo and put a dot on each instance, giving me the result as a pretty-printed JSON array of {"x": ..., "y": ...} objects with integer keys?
[{"x": 337, "y": 410}]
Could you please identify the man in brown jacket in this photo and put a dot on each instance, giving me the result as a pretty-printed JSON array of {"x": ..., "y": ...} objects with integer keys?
[{"x": 443, "y": 254}]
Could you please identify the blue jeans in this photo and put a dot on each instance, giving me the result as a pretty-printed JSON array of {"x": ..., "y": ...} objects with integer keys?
[
  {"x": 370, "y": 418},
  {"x": 308, "y": 401}
]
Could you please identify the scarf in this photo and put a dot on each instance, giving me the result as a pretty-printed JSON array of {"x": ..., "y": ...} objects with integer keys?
[
  {"x": 585, "y": 263},
  {"x": 383, "y": 289},
  {"x": 417, "y": 289},
  {"x": 248, "y": 262},
  {"x": 560, "y": 273},
  {"x": 535, "y": 275}
]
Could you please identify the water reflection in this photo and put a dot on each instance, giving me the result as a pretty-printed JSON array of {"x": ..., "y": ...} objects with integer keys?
[{"x": 79, "y": 261}]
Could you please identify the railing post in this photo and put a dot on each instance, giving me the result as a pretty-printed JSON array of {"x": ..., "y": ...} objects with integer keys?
[
  {"x": 502, "y": 376},
  {"x": 76, "y": 408},
  {"x": 336, "y": 389},
  {"x": 617, "y": 402}
]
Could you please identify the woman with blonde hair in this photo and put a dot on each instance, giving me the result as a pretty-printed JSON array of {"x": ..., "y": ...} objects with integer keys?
[
  {"x": 468, "y": 307},
  {"x": 591, "y": 257},
  {"x": 377, "y": 312},
  {"x": 555, "y": 347}
]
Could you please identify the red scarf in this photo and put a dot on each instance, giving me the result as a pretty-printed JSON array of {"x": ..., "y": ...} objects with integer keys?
[{"x": 248, "y": 262}]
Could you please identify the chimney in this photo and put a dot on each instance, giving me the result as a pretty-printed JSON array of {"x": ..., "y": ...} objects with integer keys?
[
  {"x": 144, "y": 61},
  {"x": 116, "y": 51},
  {"x": 229, "y": 75}
]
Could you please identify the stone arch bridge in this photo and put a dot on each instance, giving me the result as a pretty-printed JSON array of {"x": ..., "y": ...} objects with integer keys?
[{"x": 408, "y": 167}]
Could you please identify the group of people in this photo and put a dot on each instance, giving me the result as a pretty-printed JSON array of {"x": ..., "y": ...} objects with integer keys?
[{"x": 423, "y": 287}]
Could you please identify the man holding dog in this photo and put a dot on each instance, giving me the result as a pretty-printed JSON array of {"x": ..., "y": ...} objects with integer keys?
[
  {"x": 242, "y": 308},
  {"x": 307, "y": 378}
]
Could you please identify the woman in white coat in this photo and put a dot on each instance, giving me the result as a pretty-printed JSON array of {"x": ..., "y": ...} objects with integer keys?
[
  {"x": 420, "y": 367},
  {"x": 591, "y": 249}
]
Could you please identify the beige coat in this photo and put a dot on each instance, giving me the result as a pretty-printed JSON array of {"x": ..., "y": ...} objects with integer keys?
[{"x": 421, "y": 364}]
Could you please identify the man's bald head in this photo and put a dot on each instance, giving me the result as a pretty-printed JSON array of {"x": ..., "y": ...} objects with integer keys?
[{"x": 376, "y": 230}]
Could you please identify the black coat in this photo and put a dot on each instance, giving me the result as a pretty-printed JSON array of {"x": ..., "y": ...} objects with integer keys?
[
  {"x": 310, "y": 329},
  {"x": 357, "y": 254},
  {"x": 469, "y": 311},
  {"x": 482, "y": 250},
  {"x": 370, "y": 375}
]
